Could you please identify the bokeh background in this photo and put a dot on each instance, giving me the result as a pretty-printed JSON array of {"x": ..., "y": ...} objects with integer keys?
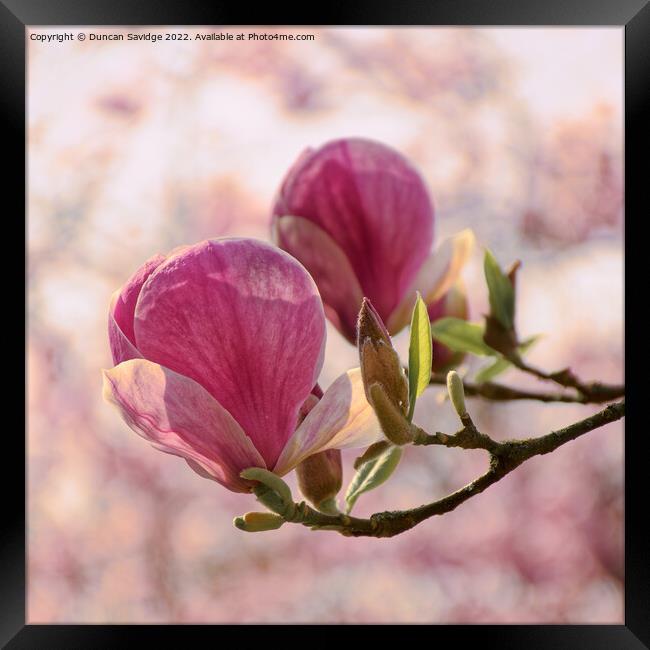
[{"x": 135, "y": 148}]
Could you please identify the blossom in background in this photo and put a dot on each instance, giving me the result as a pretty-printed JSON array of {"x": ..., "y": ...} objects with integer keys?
[
  {"x": 218, "y": 346},
  {"x": 358, "y": 215}
]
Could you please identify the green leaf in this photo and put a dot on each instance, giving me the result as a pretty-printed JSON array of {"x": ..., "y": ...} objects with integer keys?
[
  {"x": 371, "y": 475},
  {"x": 488, "y": 373},
  {"x": 461, "y": 336},
  {"x": 420, "y": 353},
  {"x": 270, "y": 480},
  {"x": 502, "y": 294}
]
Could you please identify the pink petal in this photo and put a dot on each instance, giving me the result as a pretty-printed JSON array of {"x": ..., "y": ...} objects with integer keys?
[
  {"x": 180, "y": 417},
  {"x": 121, "y": 348},
  {"x": 370, "y": 200},
  {"x": 438, "y": 273},
  {"x": 328, "y": 265},
  {"x": 343, "y": 418},
  {"x": 454, "y": 304},
  {"x": 245, "y": 321},
  {"x": 120, "y": 314}
]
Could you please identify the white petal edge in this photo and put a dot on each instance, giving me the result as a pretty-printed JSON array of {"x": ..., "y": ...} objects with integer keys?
[
  {"x": 343, "y": 418},
  {"x": 436, "y": 276}
]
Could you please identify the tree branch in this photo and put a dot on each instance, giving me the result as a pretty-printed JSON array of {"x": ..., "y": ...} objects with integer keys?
[
  {"x": 593, "y": 393},
  {"x": 501, "y": 393},
  {"x": 505, "y": 456}
]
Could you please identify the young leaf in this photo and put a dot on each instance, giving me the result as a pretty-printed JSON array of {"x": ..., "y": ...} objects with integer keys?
[
  {"x": 488, "y": 373},
  {"x": 371, "y": 475},
  {"x": 502, "y": 294},
  {"x": 461, "y": 336},
  {"x": 420, "y": 353}
]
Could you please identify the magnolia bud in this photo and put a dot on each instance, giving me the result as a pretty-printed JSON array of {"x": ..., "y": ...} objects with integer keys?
[
  {"x": 392, "y": 420},
  {"x": 379, "y": 361},
  {"x": 456, "y": 393},
  {"x": 320, "y": 477},
  {"x": 255, "y": 522},
  {"x": 370, "y": 325}
]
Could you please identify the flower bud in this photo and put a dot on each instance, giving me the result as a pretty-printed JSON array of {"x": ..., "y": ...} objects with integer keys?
[
  {"x": 456, "y": 393},
  {"x": 320, "y": 477},
  {"x": 392, "y": 420},
  {"x": 254, "y": 522},
  {"x": 380, "y": 363},
  {"x": 370, "y": 325}
]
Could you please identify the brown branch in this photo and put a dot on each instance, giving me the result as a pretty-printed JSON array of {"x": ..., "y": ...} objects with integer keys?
[
  {"x": 501, "y": 393},
  {"x": 504, "y": 458},
  {"x": 596, "y": 393},
  {"x": 593, "y": 392}
]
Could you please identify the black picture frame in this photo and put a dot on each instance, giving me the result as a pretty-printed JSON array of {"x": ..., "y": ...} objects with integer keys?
[{"x": 631, "y": 15}]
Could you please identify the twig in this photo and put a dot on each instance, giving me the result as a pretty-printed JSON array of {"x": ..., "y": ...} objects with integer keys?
[
  {"x": 593, "y": 392},
  {"x": 504, "y": 458},
  {"x": 596, "y": 394},
  {"x": 501, "y": 393}
]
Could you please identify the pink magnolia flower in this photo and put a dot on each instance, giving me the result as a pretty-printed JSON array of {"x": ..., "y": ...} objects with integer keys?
[
  {"x": 217, "y": 347},
  {"x": 359, "y": 217}
]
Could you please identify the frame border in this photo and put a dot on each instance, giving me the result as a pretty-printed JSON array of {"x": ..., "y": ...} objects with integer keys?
[{"x": 632, "y": 15}]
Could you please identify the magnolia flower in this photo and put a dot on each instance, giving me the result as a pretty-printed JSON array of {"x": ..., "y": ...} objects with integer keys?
[
  {"x": 359, "y": 217},
  {"x": 217, "y": 348}
]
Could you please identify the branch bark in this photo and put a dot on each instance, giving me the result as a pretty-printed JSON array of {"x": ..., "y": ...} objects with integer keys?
[
  {"x": 594, "y": 393},
  {"x": 505, "y": 456}
]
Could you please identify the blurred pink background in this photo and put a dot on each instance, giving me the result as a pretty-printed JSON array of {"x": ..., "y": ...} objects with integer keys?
[{"x": 135, "y": 148}]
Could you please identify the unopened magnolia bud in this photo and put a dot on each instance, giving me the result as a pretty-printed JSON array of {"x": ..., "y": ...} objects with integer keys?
[
  {"x": 370, "y": 325},
  {"x": 381, "y": 364},
  {"x": 254, "y": 522},
  {"x": 320, "y": 477},
  {"x": 392, "y": 420},
  {"x": 456, "y": 393},
  {"x": 378, "y": 359}
]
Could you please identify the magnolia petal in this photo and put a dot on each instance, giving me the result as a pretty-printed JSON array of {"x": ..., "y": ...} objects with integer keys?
[
  {"x": 454, "y": 304},
  {"x": 342, "y": 419},
  {"x": 121, "y": 348},
  {"x": 438, "y": 273},
  {"x": 243, "y": 319},
  {"x": 180, "y": 417},
  {"x": 120, "y": 314},
  {"x": 373, "y": 203},
  {"x": 328, "y": 265}
]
